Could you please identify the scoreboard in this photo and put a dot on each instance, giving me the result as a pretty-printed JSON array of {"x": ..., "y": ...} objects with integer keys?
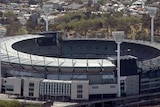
[{"x": 49, "y": 39}]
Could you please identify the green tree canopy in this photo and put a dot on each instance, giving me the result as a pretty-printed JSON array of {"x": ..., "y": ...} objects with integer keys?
[{"x": 12, "y": 103}]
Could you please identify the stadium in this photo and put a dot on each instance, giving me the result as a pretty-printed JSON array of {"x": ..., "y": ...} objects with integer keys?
[{"x": 88, "y": 65}]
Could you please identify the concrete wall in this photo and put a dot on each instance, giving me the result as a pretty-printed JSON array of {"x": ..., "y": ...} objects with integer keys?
[
  {"x": 95, "y": 79},
  {"x": 35, "y": 88},
  {"x": 0, "y": 84},
  {"x": 13, "y": 83},
  {"x": 132, "y": 85},
  {"x": 75, "y": 90},
  {"x": 103, "y": 89}
]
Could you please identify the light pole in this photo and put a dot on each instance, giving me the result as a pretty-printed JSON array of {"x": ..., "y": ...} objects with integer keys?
[
  {"x": 47, "y": 9},
  {"x": 2, "y": 32},
  {"x": 152, "y": 12},
  {"x": 118, "y": 37}
]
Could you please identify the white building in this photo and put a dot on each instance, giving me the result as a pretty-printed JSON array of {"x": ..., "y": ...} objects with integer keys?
[
  {"x": 0, "y": 84},
  {"x": 80, "y": 90},
  {"x": 12, "y": 85},
  {"x": 46, "y": 89},
  {"x": 31, "y": 87},
  {"x": 50, "y": 89},
  {"x": 103, "y": 89}
]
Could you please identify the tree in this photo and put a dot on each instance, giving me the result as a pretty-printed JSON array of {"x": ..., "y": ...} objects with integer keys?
[
  {"x": 15, "y": 1},
  {"x": 146, "y": 21},
  {"x": 102, "y": 2},
  {"x": 157, "y": 23},
  {"x": 30, "y": 26},
  {"x": 12, "y": 103},
  {"x": 118, "y": 14},
  {"x": 141, "y": 35},
  {"x": 13, "y": 28},
  {"x": 10, "y": 15},
  {"x": 89, "y": 3},
  {"x": 13, "y": 25}
]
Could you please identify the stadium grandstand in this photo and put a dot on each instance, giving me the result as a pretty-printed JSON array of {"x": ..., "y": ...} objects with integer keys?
[{"x": 47, "y": 66}]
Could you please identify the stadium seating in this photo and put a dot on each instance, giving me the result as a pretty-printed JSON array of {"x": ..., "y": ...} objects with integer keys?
[{"x": 85, "y": 49}]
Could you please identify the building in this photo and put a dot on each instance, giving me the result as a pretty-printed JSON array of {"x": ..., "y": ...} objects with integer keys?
[
  {"x": 53, "y": 89},
  {"x": 49, "y": 67},
  {"x": 31, "y": 87},
  {"x": 45, "y": 89},
  {"x": 12, "y": 85}
]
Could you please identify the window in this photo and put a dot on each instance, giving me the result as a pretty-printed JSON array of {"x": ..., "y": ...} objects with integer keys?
[
  {"x": 9, "y": 88},
  {"x": 94, "y": 87},
  {"x": 30, "y": 94},
  {"x": 31, "y": 84},
  {"x": 79, "y": 91},
  {"x": 122, "y": 91},
  {"x": 112, "y": 86},
  {"x": 31, "y": 87},
  {"x": 122, "y": 83},
  {"x": 79, "y": 86},
  {"x": 79, "y": 96}
]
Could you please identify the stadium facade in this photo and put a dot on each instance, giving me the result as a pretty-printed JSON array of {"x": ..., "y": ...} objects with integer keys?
[{"x": 49, "y": 67}]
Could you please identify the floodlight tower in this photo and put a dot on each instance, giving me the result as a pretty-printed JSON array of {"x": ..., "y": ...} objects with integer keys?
[
  {"x": 2, "y": 32},
  {"x": 118, "y": 37},
  {"x": 47, "y": 9},
  {"x": 152, "y": 12}
]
